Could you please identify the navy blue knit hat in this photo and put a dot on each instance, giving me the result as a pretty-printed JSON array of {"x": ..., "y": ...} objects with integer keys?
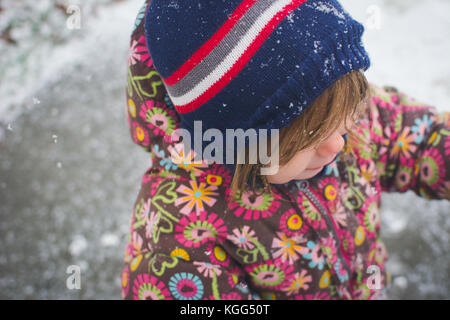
[{"x": 250, "y": 63}]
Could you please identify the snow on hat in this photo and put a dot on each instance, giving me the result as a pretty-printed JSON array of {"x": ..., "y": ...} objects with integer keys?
[{"x": 250, "y": 63}]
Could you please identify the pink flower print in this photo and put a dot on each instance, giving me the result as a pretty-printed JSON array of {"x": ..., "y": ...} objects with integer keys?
[
  {"x": 138, "y": 53},
  {"x": 207, "y": 269},
  {"x": 330, "y": 191},
  {"x": 288, "y": 248},
  {"x": 125, "y": 277},
  {"x": 133, "y": 55},
  {"x": 328, "y": 247},
  {"x": 377, "y": 254},
  {"x": 432, "y": 168},
  {"x": 160, "y": 119},
  {"x": 404, "y": 144},
  {"x": 186, "y": 159},
  {"x": 145, "y": 209},
  {"x": 152, "y": 222},
  {"x": 233, "y": 276},
  {"x": 370, "y": 217},
  {"x": 347, "y": 241},
  {"x": 231, "y": 296},
  {"x": 253, "y": 206},
  {"x": 217, "y": 255},
  {"x": 147, "y": 287},
  {"x": 292, "y": 224},
  {"x": 217, "y": 175},
  {"x": 196, "y": 196},
  {"x": 385, "y": 141},
  {"x": 271, "y": 274},
  {"x": 140, "y": 135},
  {"x": 312, "y": 214},
  {"x": 154, "y": 185},
  {"x": 128, "y": 254},
  {"x": 137, "y": 243},
  {"x": 321, "y": 295},
  {"x": 243, "y": 238},
  {"x": 195, "y": 230},
  {"x": 447, "y": 146},
  {"x": 143, "y": 51},
  {"x": 394, "y": 98},
  {"x": 405, "y": 176},
  {"x": 340, "y": 215},
  {"x": 300, "y": 281},
  {"x": 368, "y": 172}
]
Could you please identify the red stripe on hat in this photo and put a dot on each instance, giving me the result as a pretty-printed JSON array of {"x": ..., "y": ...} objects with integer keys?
[
  {"x": 208, "y": 46},
  {"x": 242, "y": 61}
]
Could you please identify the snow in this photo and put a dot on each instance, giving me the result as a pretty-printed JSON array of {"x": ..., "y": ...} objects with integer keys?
[
  {"x": 410, "y": 48},
  {"x": 46, "y": 47},
  {"x": 328, "y": 9},
  {"x": 78, "y": 245}
]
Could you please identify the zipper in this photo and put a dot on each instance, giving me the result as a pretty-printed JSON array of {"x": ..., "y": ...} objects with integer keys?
[{"x": 304, "y": 187}]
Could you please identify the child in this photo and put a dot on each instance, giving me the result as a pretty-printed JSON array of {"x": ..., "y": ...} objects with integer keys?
[{"x": 309, "y": 231}]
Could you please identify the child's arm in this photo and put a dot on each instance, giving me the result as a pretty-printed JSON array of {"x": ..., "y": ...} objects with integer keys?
[{"x": 410, "y": 144}]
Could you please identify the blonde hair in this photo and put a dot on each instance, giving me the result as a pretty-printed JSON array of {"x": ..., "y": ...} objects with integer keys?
[{"x": 342, "y": 101}]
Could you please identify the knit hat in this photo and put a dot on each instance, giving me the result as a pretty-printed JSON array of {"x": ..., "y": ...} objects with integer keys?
[{"x": 250, "y": 63}]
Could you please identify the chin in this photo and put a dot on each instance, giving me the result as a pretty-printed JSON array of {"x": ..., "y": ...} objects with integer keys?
[{"x": 304, "y": 176}]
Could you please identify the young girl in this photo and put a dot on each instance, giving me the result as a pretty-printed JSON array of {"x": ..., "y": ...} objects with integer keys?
[{"x": 209, "y": 230}]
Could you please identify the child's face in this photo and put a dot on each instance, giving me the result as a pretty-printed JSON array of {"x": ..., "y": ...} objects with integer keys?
[{"x": 309, "y": 162}]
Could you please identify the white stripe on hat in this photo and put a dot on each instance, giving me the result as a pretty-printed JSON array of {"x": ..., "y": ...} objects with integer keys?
[{"x": 233, "y": 56}]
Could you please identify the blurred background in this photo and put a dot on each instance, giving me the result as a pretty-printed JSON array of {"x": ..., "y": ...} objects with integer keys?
[{"x": 70, "y": 173}]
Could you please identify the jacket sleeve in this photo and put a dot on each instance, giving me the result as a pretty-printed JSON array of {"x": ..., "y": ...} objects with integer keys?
[
  {"x": 411, "y": 144},
  {"x": 173, "y": 256},
  {"x": 170, "y": 254}
]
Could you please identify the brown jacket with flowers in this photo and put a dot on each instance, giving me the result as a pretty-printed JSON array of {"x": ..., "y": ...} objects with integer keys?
[{"x": 316, "y": 239}]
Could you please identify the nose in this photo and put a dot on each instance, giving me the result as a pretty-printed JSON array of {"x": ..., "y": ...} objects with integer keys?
[{"x": 332, "y": 145}]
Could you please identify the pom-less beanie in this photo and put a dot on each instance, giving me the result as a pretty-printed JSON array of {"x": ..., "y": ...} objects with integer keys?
[{"x": 250, "y": 63}]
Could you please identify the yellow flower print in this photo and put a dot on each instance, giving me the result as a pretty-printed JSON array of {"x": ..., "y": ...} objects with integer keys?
[
  {"x": 300, "y": 281},
  {"x": 140, "y": 134},
  {"x": 196, "y": 196},
  {"x": 324, "y": 280},
  {"x": 404, "y": 143},
  {"x": 132, "y": 108},
  {"x": 185, "y": 159},
  {"x": 288, "y": 248},
  {"x": 360, "y": 236},
  {"x": 180, "y": 253},
  {"x": 136, "y": 262}
]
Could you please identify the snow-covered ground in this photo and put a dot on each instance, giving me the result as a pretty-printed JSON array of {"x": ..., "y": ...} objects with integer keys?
[
  {"x": 408, "y": 43},
  {"x": 66, "y": 183}
]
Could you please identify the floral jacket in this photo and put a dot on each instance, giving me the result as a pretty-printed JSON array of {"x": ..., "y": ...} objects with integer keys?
[{"x": 314, "y": 239}]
